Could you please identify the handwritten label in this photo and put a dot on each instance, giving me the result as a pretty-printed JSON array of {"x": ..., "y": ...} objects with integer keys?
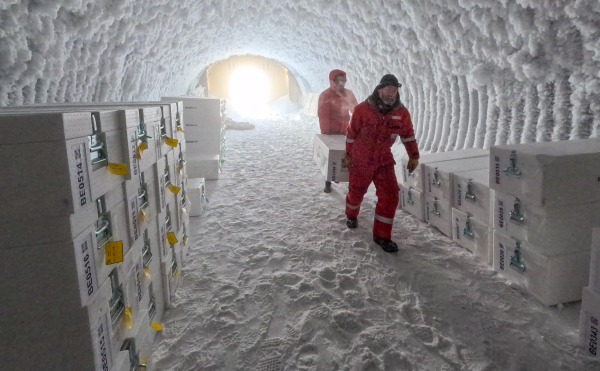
[
  {"x": 171, "y": 238},
  {"x": 114, "y": 252},
  {"x": 171, "y": 142},
  {"x": 117, "y": 169}
]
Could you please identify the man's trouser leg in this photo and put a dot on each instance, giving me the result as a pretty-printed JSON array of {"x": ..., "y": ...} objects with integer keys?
[
  {"x": 359, "y": 180},
  {"x": 386, "y": 187}
]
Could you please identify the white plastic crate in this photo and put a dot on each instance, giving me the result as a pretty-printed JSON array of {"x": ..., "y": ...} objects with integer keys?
[
  {"x": 415, "y": 179},
  {"x": 595, "y": 261},
  {"x": 412, "y": 202},
  {"x": 589, "y": 323},
  {"x": 438, "y": 213},
  {"x": 438, "y": 175},
  {"x": 551, "y": 230},
  {"x": 551, "y": 279},
  {"x": 473, "y": 235},
  {"x": 328, "y": 153},
  {"x": 197, "y": 196},
  {"x": 203, "y": 124},
  {"x": 207, "y": 167},
  {"x": 473, "y": 195},
  {"x": 548, "y": 173}
]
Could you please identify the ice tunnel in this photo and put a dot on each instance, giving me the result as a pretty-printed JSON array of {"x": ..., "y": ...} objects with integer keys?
[{"x": 475, "y": 73}]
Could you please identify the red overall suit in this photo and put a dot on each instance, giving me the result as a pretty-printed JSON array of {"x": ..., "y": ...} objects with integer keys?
[
  {"x": 369, "y": 140},
  {"x": 334, "y": 107}
]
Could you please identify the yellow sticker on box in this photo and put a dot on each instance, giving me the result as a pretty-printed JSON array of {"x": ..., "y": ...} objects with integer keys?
[
  {"x": 156, "y": 326},
  {"x": 143, "y": 212},
  {"x": 180, "y": 129},
  {"x": 171, "y": 238},
  {"x": 173, "y": 188},
  {"x": 184, "y": 240},
  {"x": 113, "y": 252},
  {"x": 171, "y": 142},
  {"x": 117, "y": 169},
  {"x": 147, "y": 273},
  {"x": 127, "y": 318},
  {"x": 141, "y": 149}
]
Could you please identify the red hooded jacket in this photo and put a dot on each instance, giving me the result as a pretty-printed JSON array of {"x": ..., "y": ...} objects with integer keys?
[
  {"x": 334, "y": 107},
  {"x": 371, "y": 134}
]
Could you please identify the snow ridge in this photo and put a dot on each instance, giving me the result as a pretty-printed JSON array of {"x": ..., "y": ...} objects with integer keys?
[{"x": 528, "y": 69}]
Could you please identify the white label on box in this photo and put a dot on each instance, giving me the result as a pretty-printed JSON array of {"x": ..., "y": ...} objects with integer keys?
[
  {"x": 501, "y": 256},
  {"x": 161, "y": 187},
  {"x": 102, "y": 353},
  {"x": 138, "y": 278},
  {"x": 81, "y": 181},
  {"x": 500, "y": 216},
  {"x": 497, "y": 169},
  {"x": 163, "y": 239},
  {"x": 592, "y": 329},
  {"x": 86, "y": 267},
  {"x": 157, "y": 142},
  {"x": 132, "y": 218},
  {"x": 133, "y": 160}
]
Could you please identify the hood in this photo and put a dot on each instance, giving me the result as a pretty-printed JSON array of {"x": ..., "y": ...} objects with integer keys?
[{"x": 333, "y": 74}]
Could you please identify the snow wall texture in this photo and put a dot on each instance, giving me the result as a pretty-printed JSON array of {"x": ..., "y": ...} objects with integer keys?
[{"x": 475, "y": 72}]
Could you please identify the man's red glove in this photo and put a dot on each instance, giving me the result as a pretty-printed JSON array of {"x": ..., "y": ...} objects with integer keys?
[{"x": 412, "y": 164}]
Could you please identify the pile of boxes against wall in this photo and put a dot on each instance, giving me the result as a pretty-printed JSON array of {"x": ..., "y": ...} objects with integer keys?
[
  {"x": 95, "y": 226},
  {"x": 526, "y": 209},
  {"x": 205, "y": 129}
]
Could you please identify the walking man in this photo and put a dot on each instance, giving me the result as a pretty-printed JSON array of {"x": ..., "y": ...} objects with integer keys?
[
  {"x": 375, "y": 126},
  {"x": 335, "y": 105}
]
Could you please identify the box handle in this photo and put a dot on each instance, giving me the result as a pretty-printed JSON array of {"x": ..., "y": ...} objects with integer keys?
[
  {"x": 469, "y": 195},
  {"x": 436, "y": 180},
  {"x": 467, "y": 231},
  {"x": 435, "y": 210},
  {"x": 516, "y": 215},
  {"x": 512, "y": 169},
  {"x": 516, "y": 262}
]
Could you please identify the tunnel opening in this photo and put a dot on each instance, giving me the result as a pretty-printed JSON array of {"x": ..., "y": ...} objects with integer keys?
[{"x": 252, "y": 85}]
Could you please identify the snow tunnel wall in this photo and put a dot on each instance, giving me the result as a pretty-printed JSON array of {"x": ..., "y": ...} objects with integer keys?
[{"x": 475, "y": 72}]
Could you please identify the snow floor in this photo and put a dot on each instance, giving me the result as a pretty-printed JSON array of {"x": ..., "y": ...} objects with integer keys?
[{"x": 275, "y": 281}]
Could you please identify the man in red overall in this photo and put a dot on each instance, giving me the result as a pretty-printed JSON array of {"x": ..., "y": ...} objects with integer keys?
[
  {"x": 375, "y": 126},
  {"x": 335, "y": 105}
]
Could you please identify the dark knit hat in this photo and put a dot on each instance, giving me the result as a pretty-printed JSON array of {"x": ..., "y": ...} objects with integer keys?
[{"x": 388, "y": 80}]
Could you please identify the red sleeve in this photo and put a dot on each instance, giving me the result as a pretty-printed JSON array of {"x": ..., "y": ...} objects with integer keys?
[
  {"x": 407, "y": 136},
  {"x": 324, "y": 112},
  {"x": 353, "y": 100},
  {"x": 353, "y": 129}
]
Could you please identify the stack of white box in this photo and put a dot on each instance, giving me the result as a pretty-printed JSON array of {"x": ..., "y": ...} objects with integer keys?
[
  {"x": 205, "y": 132},
  {"x": 589, "y": 321},
  {"x": 63, "y": 209},
  {"x": 546, "y": 203},
  {"x": 412, "y": 189}
]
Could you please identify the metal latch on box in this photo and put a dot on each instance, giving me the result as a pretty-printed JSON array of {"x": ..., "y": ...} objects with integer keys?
[
  {"x": 163, "y": 128},
  {"x": 151, "y": 303},
  {"x": 183, "y": 195},
  {"x": 143, "y": 133},
  {"x": 435, "y": 210},
  {"x": 182, "y": 161},
  {"x": 103, "y": 230},
  {"x": 467, "y": 231},
  {"x": 436, "y": 180},
  {"x": 512, "y": 169},
  {"x": 469, "y": 195},
  {"x": 143, "y": 193},
  {"x": 134, "y": 357},
  {"x": 146, "y": 250},
  {"x": 516, "y": 215},
  {"x": 516, "y": 262},
  {"x": 174, "y": 266},
  {"x": 167, "y": 175},
  {"x": 168, "y": 220},
  {"x": 409, "y": 194},
  {"x": 177, "y": 120},
  {"x": 97, "y": 150},
  {"x": 116, "y": 303}
]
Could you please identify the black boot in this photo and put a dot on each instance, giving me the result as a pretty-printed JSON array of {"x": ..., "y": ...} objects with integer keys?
[
  {"x": 352, "y": 223},
  {"x": 387, "y": 245},
  {"x": 327, "y": 187}
]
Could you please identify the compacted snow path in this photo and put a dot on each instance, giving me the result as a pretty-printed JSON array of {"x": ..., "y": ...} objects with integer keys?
[{"x": 275, "y": 281}]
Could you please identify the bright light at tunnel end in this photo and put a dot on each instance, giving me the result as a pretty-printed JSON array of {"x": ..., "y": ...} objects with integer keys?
[{"x": 249, "y": 91}]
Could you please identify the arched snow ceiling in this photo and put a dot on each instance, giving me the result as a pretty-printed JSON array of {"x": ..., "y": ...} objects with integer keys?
[{"x": 475, "y": 72}]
